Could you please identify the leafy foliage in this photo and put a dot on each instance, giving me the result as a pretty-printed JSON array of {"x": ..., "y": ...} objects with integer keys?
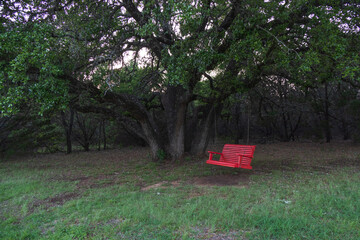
[
  {"x": 28, "y": 72},
  {"x": 145, "y": 62}
]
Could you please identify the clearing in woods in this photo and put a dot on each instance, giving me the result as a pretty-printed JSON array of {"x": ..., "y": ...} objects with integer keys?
[{"x": 295, "y": 191}]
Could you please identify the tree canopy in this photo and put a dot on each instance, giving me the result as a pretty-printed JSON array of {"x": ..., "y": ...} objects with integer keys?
[{"x": 163, "y": 68}]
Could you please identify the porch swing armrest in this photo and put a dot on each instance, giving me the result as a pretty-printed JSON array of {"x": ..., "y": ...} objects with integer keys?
[
  {"x": 240, "y": 158},
  {"x": 211, "y": 154},
  {"x": 214, "y": 152}
]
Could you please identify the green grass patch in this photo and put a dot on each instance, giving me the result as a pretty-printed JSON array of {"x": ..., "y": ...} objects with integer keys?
[{"x": 121, "y": 195}]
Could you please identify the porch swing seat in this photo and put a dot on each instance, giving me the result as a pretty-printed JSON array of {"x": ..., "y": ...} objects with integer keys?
[{"x": 233, "y": 155}]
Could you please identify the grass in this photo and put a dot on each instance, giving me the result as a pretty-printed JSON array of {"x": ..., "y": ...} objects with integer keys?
[{"x": 296, "y": 191}]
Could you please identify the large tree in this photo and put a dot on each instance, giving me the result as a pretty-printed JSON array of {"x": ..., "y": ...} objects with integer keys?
[{"x": 179, "y": 59}]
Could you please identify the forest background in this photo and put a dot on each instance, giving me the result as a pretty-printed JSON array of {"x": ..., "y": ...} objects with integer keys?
[{"x": 175, "y": 75}]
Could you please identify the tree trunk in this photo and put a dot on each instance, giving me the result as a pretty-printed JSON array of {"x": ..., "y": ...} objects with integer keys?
[
  {"x": 327, "y": 116},
  {"x": 152, "y": 138},
  {"x": 202, "y": 137},
  {"x": 86, "y": 132},
  {"x": 68, "y": 129},
  {"x": 191, "y": 125},
  {"x": 237, "y": 115},
  {"x": 175, "y": 102},
  {"x": 285, "y": 135},
  {"x": 293, "y": 129},
  {"x": 99, "y": 135},
  {"x": 345, "y": 129},
  {"x": 104, "y": 132}
]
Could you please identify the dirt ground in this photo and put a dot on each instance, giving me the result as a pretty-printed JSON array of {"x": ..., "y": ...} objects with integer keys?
[
  {"x": 285, "y": 157},
  {"x": 239, "y": 181}
]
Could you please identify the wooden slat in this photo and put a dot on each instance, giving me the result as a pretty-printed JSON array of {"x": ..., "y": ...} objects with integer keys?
[
  {"x": 225, "y": 164},
  {"x": 230, "y": 150}
]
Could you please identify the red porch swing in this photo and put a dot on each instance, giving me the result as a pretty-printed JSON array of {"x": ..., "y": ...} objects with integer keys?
[{"x": 233, "y": 155}]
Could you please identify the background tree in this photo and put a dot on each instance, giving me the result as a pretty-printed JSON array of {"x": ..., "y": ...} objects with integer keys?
[{"x": 188, "y": 57}]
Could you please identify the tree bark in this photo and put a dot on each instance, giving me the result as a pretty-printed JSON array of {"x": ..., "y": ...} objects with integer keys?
[
  {"x": 203, "y": 132},
  {"x": 175, "y": 102},
  {"x": 327, "y": 115},
  {"x": 68, "y": 129},
  {"x": 104, "y": 132},
  {"x": 152, "y": 139},
  {"x": 86, "y": 132}
]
